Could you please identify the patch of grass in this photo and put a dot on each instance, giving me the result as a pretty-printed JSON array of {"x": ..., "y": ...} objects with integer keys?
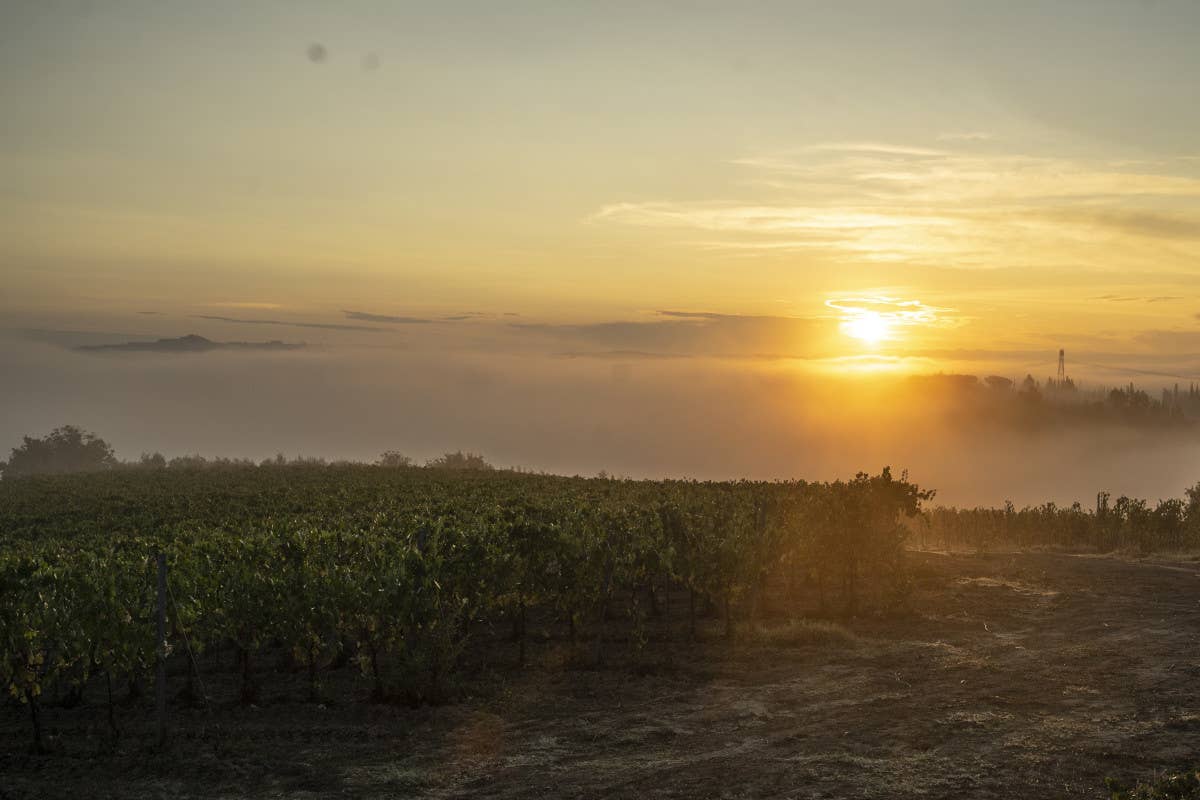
[{"x": 800, "y": 633}]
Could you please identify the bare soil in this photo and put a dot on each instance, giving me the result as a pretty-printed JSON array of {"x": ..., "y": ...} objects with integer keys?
[{"x": 1026, "y": 675}]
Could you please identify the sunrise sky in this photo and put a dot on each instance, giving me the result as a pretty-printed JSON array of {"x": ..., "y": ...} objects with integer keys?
[{"x": 911, "y": 186}]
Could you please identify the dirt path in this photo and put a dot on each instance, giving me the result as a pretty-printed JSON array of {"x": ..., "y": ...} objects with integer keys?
[
  {"x": 1030, "y": 675},
  {"x": 1035, "y": 675}
]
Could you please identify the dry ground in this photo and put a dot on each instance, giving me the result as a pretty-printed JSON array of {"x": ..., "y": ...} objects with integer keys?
[{"x": 1029, "y": 675}]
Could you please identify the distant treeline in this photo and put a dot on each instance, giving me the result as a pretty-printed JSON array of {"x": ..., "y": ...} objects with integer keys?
[
  {"x": 391, "y": 459},
  {"x": 1127, "y": 523},
  {"x": 69, "y": 449},
  {"x": 1029, "y": 403}
]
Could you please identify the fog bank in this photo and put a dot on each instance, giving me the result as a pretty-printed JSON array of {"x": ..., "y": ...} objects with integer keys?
[{"x": 701, "y": 418}]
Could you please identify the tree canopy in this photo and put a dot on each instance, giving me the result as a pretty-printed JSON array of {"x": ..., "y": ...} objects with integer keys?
[
  {"x": 459, "y": 460},
  {"x": 65, "y": 449}
]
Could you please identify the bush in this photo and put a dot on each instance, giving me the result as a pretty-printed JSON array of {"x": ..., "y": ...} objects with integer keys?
[
  {"x": 63, "y": 450},
  {"x": 459, "y": 460},
  {"x": 394, "y": 459}
]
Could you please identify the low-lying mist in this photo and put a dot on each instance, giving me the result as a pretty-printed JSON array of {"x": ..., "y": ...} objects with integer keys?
[{"x": 633, "y": 416}]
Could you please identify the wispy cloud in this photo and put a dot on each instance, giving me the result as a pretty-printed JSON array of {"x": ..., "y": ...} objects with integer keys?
[
  {"x": 761, "y": 219},
  {"x": 620, "y": 355},
  {"x": 879, "y": 318},
  {"x": 893, "y": 309},
  {"x": 1140, "y": 223},
  {"x": 247, "y": 304},
  {"x": 877, "y": 148},
  {"x": 1117, "y": 298},
  {"x": 690, "y": 333},
  {"x": 877, "y": 202},
  {"x": 964, "y": 136},
  {"x": 368, "y": 317},
  {"x": 330, "y": 326}
]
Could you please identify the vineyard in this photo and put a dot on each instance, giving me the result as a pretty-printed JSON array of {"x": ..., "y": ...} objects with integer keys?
[
  {"x": 1125, "y": 524},
  {"x": 396, "y": 573}
]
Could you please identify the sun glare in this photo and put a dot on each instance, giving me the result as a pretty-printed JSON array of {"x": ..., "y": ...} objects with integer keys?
[{"x": 868, "y": 327}]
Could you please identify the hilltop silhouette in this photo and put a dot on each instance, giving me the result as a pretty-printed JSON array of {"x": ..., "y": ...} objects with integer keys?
[{"x": 192, "y": 343}]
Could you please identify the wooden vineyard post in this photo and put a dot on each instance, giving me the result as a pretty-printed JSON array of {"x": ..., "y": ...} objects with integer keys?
[{"x": 160, "y": 648}]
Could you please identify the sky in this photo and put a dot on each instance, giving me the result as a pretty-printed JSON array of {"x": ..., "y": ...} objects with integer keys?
[{"x": 563, "y": 195}]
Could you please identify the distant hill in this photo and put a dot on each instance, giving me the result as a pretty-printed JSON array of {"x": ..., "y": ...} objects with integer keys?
[{"x": 191, "y": 343}]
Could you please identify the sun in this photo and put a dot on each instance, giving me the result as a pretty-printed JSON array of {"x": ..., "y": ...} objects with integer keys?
[{"x": 868, "y": 326}]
